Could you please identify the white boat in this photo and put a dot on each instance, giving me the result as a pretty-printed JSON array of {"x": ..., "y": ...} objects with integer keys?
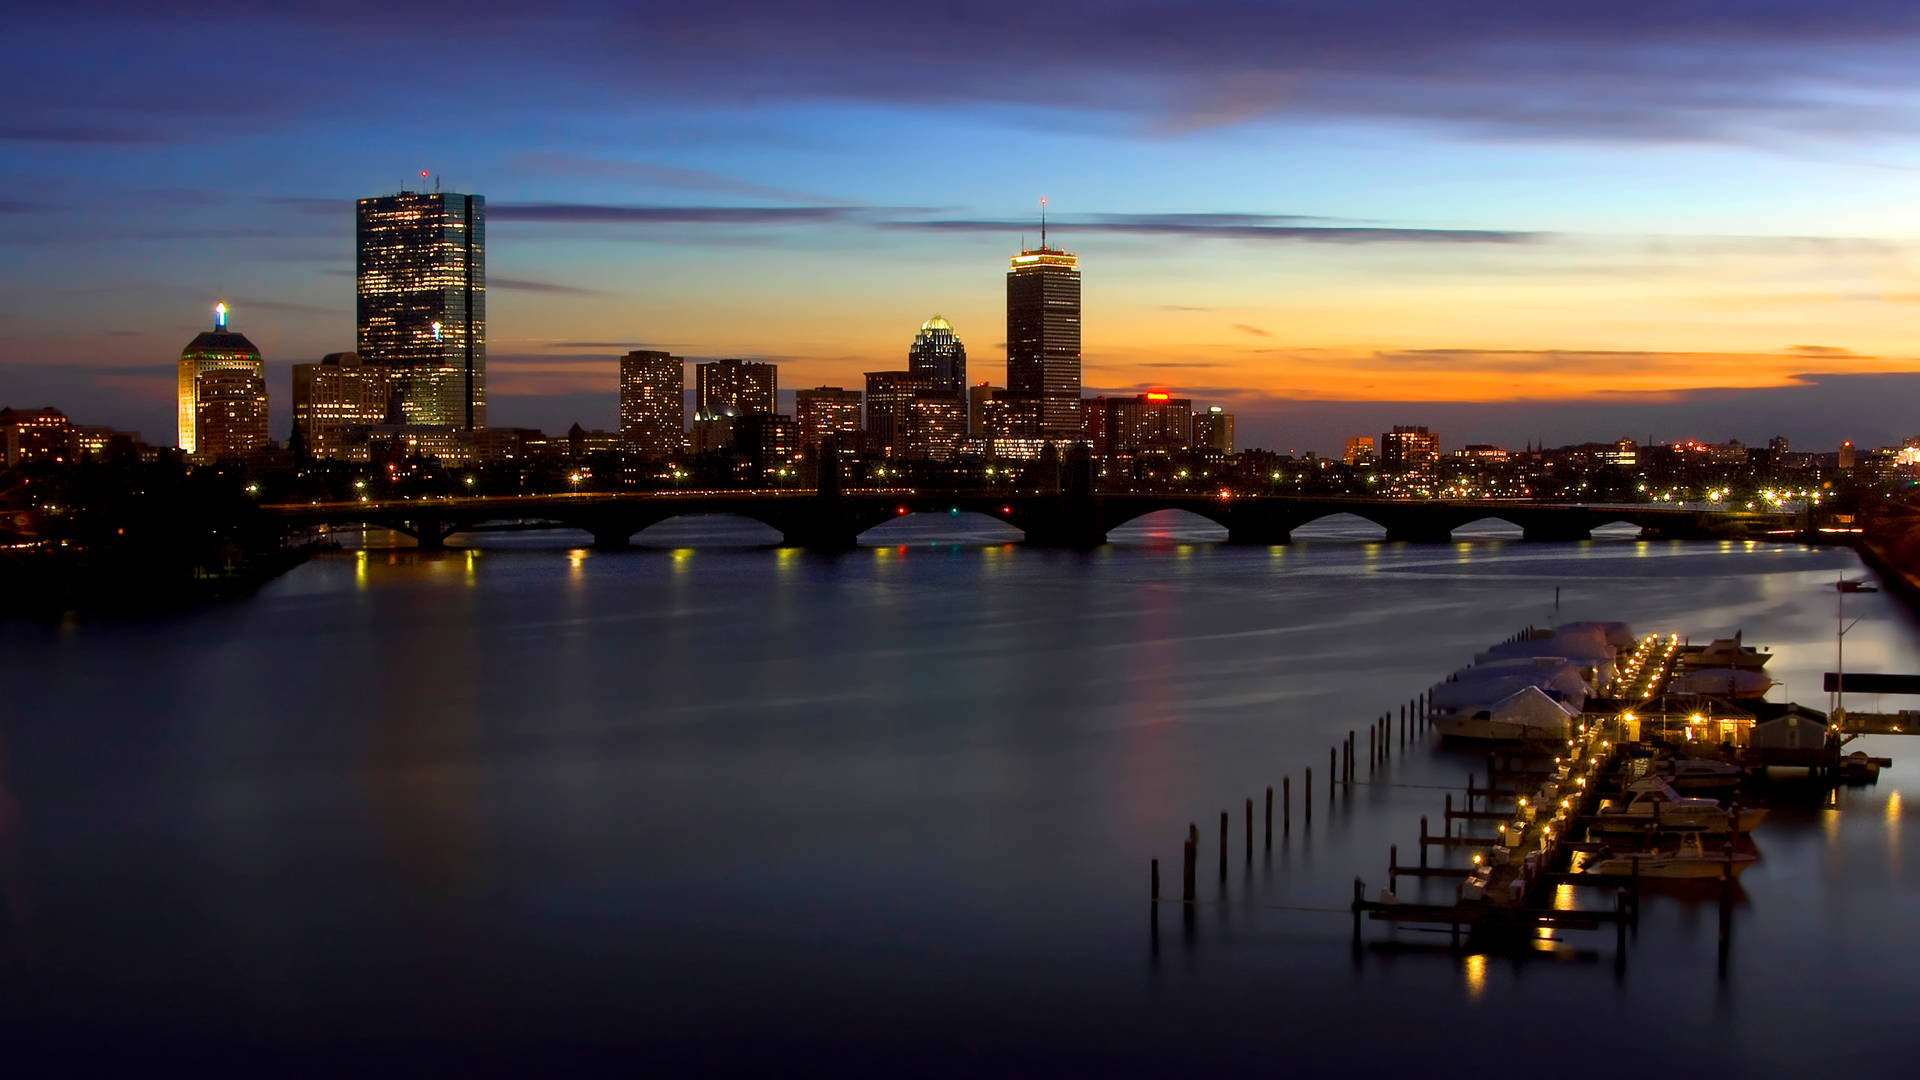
[
  {"x": 1654, "y": 804},
  {"x": 1691, "y": 861},
  {"x": 1700, "y": 774},
  {"x": 1724, "y": 653},
  {"x": 1526, "y": 715}
]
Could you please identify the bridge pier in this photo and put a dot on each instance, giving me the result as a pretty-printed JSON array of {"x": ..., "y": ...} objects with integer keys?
[
  {"x": 612, "y": 539},
  {"x": 1419, "y": 533},
  {"x": 1556, "y": 534},
  {"x": 1263, "y": 534},
  {"x": 1062, "y": 522}
]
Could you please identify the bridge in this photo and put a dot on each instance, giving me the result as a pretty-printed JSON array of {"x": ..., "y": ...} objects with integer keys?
[{"x": 834, "y": 521}]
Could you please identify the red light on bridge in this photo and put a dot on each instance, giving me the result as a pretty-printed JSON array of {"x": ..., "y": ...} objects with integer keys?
[
  {"x": 1006, "y": 509},
  {"x": 903, "y": 509}
]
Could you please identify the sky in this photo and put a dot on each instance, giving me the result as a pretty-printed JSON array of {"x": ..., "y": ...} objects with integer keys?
[{"x": 1511, "y": 220}]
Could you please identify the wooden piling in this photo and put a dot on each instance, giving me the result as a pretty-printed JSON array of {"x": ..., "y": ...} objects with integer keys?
[
  {"x": 1423, "y": 842},
  {"x": 1306, "y": 797},
  {"x": 1372, "y": 751},
  {"x": 1249, "y": 829},
  {"x": 1286, "y": 805},
  {"x": 1223, "y": 845},
  {"x": 1156, "y": 892},
  {"x": 1393, "y": 868},
  {"x": 1192, "y": 856},
  {"x": 1269, "y": 817},
  {"x": 1359, "y": 896}
]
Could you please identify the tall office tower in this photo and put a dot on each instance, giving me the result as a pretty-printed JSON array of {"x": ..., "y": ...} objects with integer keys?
[
  {"x": 219, "y": 349},
  {"x": 828, "y": 411},
  {"x": 421, "y": 280},
  {"x": 890, "y": 397},
  {"x": 938, "y": 357},
  {"x": 1043, "y": 340},
  {"x": 747, "y": 385},
  {"x": 1408, "y": 448},
  {"x": 230, "y": 410},
  {"x": 335, "y": 396},
  {"x": 1213, "y": 430},
  {"x": 652, "y": 404}
]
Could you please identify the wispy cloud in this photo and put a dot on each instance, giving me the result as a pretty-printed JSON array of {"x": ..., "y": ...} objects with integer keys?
[
  {"x": 609, "y": 214},
  {"x": 1275, "y": 227},
  {"x": 528, "y": 285},
  {"x": 649, "y": 174},
  {"x": 1254, "y": 330}
]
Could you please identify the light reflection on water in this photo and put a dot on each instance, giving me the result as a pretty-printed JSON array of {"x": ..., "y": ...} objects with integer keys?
[{"x": 702, "y": 798}]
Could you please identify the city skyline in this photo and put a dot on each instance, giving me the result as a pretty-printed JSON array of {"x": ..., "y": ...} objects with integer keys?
[{"x": 1717, "y": 252}]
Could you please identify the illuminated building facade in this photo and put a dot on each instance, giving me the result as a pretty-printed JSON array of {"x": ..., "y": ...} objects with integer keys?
[
  {"x": 230, "y": 407},
  {"x": 28, "y": 436},
  {"x": 938, "y": 358},
  {"x": 978, "y": 395},
  {"x": 335, "y": 400},
  {"x": 1213, "y": 430},
  {"x": 828, "y": 411},
  {"x": 421, "y": 283},
  {"x": 652, "y": 404},
  {"x": 771, "y": 442},
  {"x": 217, "y": 351},
  {"x": 1359, "y": 450},
  {"x": 1409, "y": 449},
  {"x": 1043, "y": 341},
  {"x": 1149, "y": 423},
  {"x": 890, "y": 397},
  {"x": 936, "y": 427},
  {"x": 744, "y": 385}
]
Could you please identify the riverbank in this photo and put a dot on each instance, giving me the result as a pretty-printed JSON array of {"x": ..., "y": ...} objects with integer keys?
[{"x": 53, "y": 583}]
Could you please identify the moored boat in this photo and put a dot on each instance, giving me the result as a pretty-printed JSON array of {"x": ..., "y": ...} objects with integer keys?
[
  {"x": 1690, "y": 861},
  {"x": 1654, "y": 804}
]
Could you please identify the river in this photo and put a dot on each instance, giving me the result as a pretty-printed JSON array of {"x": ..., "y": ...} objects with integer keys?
[{"x": 711, "y": 803}]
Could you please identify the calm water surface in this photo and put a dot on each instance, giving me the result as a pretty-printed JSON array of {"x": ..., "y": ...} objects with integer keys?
[{"x": 720, "y": 805}]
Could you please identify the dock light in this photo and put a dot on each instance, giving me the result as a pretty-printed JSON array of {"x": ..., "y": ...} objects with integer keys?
[
  {"x": 1476, "y": 860},
  {"x": 1503, "y": 828},
  {"x": 1523, "y": 800},
  {"x": 1566, "y": 804}
]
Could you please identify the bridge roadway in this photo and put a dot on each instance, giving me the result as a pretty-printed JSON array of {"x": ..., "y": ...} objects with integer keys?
[{"x": 834, "y": 522}]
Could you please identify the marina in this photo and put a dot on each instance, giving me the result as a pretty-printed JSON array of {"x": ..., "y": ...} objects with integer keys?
[{"x": 1618, "y": 764}]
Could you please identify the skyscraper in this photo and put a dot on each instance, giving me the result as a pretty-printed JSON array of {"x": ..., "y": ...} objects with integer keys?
[
  {"x": 421, "y": 282},
  {"x": 890, "y": 396},
  {"x": 938, "y": 357},
  {"x": 749, "y": 386},
  {"x": 334, "y": 396},
  {"x": 230, "y": 412},
  {"x": 652, "y": 404},
  {"x": 216, "y": 351},
  {"x": 1043, "y": 340}
]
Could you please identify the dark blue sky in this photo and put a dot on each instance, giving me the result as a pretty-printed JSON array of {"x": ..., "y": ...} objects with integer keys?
[{"x": 1683, "y": 219}]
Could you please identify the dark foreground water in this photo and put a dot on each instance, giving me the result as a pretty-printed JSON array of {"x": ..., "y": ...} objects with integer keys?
[{"x": 538, "y": 808}]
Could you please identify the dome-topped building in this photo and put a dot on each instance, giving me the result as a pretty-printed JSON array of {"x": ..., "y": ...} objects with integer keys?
[
  {"x": 938, "y": 357},
  {"x": 223, "y": 393}
]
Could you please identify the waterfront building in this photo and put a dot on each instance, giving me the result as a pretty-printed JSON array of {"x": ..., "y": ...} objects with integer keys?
[
  {"x": 421, "y": 288},
  {"x": 333, "y": 398},
  {"x": 1409, "y": 449},
  {"x": 827, "y": 411},
  {"x": 1359, "y": 450},
  {"x": 652, "y": 404},
  {"x": 1213, "y": 430},
  {"x": 938, "y": 358},
  {"x": 29, "y": 436},
  {"x": 230, "y": 413},
  {"x": 1043, "y": 341},
  {"x": 214, "y": 352},
  {"x": 744, "y": 385}
]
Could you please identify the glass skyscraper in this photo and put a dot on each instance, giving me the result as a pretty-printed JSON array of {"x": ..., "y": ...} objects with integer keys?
[
  {"x": 421, "y": 281},
  {"x": 1043, "y": 342}
]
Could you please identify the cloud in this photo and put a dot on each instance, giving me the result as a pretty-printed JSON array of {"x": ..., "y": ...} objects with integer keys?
[
  {"x": 652, "y": 175},
  {"x": 1821, "y": 350},
  {"x": 525, "y": 285},
  {"x": 1275, "y": 227},
  {"x": 593, "y": 345},
  {"x": 78, "y": 134},
  {"x": 608, "y": 214},
  {"x": 1254, "y": 330}
]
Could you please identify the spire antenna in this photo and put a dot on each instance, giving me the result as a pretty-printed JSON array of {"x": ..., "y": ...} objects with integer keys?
[{"x": 1043, "y": 223}]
